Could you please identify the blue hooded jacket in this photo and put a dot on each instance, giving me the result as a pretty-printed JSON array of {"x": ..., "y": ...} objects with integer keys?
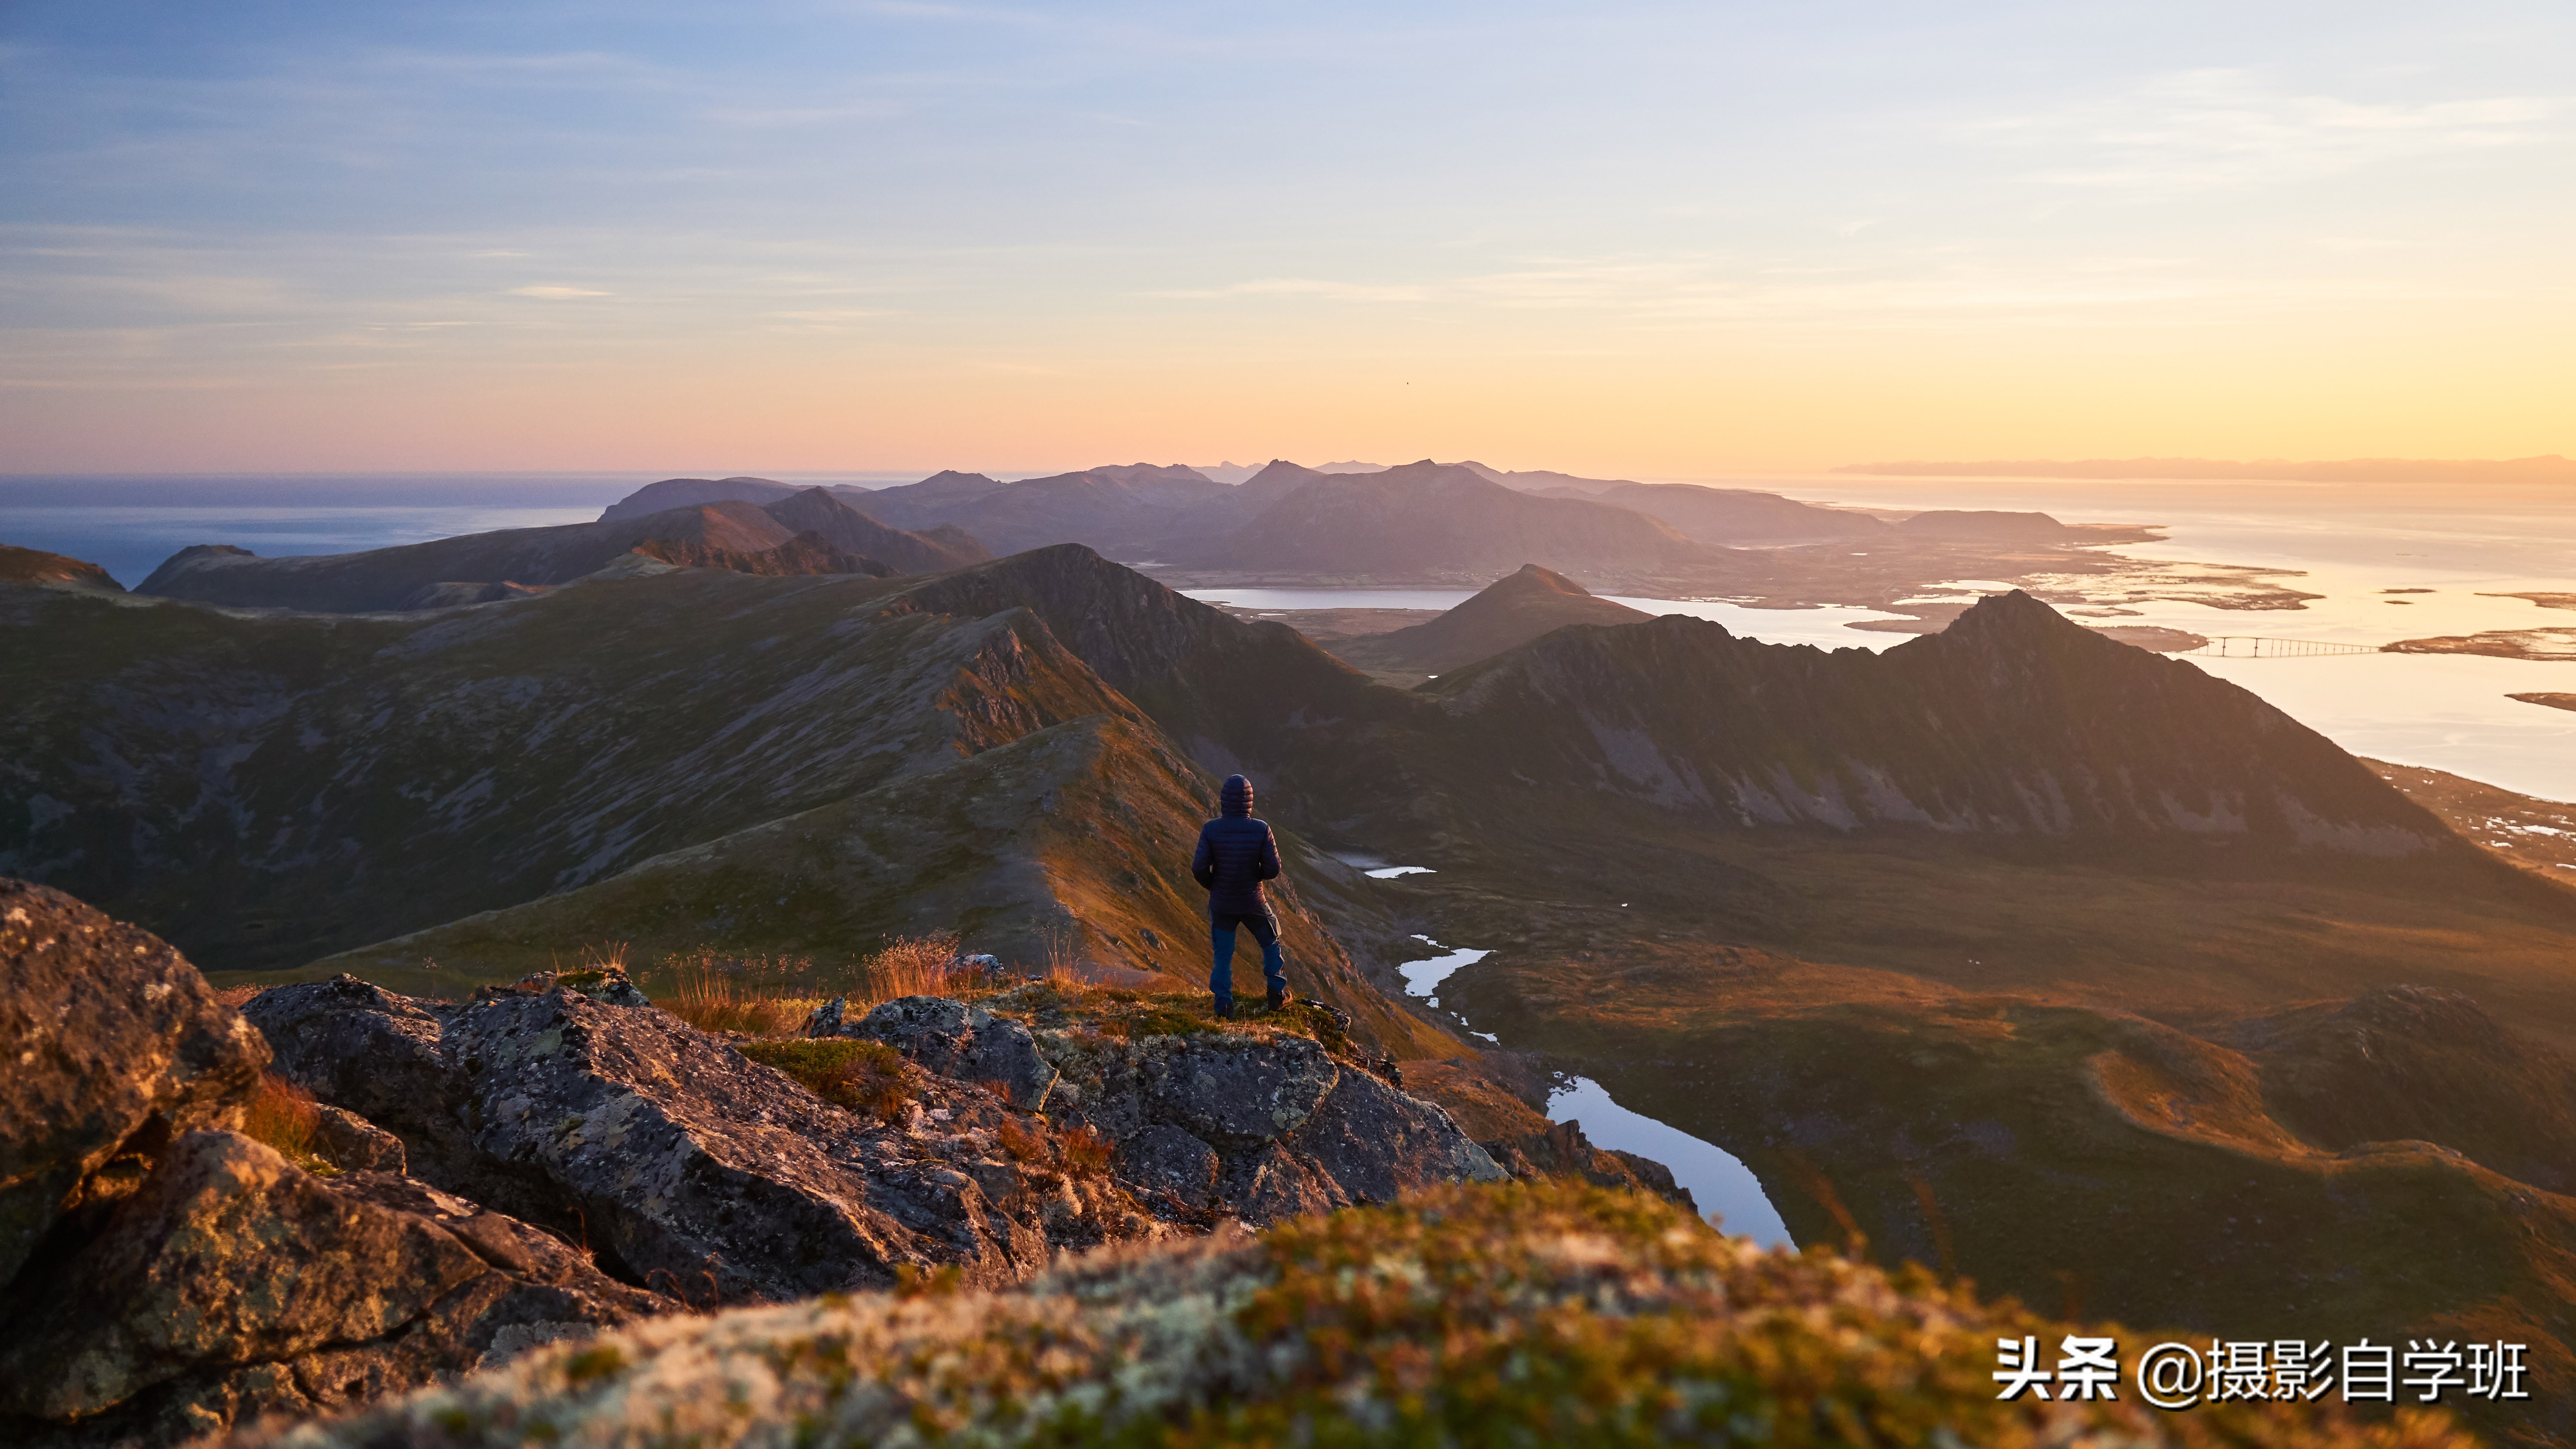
[{"x": 1236, "y": 854}]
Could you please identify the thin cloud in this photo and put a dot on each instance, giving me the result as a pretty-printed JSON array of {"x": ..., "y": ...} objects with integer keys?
[
  {"x": 1307, "y": 287},
  {"x": 556, "y": 294},
  {"x": 2207, "y": 130}
]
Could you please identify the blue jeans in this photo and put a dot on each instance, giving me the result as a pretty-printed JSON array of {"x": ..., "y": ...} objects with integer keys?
[{"x": 1265, "y": 929}]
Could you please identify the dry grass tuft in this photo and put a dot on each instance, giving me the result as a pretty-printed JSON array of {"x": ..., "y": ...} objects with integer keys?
[
  {"x": 770, "y": 996},
  {"x": 911, "y": 966},
  {"x": 1087, "y": 1153},
  {"x": 286, "y": 1117}
]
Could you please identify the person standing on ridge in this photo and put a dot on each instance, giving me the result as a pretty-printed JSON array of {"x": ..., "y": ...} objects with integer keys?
[{"x": 1236, "y": 854}]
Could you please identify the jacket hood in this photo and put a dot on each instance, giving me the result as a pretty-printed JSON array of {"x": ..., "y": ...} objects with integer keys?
[{"x": 1237, "y": 795}]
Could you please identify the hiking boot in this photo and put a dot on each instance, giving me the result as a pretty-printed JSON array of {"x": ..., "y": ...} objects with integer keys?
[
  {"x": 1279, "y": 997},
  {"x": 1224, "y": 1010}
]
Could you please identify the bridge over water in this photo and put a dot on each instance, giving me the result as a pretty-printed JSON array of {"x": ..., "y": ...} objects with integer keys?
[{"x": 2249, "y": 646}]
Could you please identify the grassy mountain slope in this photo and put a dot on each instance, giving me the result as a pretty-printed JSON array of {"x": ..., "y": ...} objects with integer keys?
[
  {"x": 1081, "y": 831},
  {"x": 817, "y": 510},
  {"x": 35, "y": 566},
  {"x": 268, "y": 790}
]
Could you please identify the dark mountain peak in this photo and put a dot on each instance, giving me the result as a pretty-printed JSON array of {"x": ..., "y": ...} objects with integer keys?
[
  {"x": 35, "y": 566},
  {"x": 194, "y": 556},
  {"x": 1511, "y": 611},
  {"x": 1986, "y": 525},
  {"x": 1153, "y": 473},
  {"x": 1532, "y": 579},
  {"x": 2015, "y": 621},
  {"x": 1280, "y": 473},
  {"x": 949, "y": 480},
  {"x": 683, "y": 492}
]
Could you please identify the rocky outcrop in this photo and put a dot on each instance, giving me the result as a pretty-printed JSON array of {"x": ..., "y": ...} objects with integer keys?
[
  {"x": 162, "y": 1275},
  {"x": 1256, "y": 1122},
  {"x": 114, "y": 1045},
  {"x": 233, "y": 1284},
  {"x": 685, "y": 1163},
  {"x": 1561, "y": 1150},
  {"x": 951, "y": 1038}
]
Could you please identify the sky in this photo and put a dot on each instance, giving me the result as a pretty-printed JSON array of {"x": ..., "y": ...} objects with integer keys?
[{"x": 1654, "y": 240}]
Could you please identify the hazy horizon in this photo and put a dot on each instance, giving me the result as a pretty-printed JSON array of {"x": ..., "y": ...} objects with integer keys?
[{"x": 1639, "y": 240}]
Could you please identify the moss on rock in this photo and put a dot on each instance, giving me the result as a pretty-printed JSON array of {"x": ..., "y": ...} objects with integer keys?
[{"x": 1509, "y": 1315}]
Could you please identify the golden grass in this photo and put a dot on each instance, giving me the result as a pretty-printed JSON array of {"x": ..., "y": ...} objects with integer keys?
[
  {"x": 286, "y": 1117},
  {"x": 768, "y": 996}
]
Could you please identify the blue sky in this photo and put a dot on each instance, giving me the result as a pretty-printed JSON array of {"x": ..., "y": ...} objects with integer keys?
[{"x": 1660, "y": 237}]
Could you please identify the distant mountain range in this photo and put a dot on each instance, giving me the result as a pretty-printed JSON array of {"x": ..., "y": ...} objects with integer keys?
[
  {"x": 807, "y": 531},
  {"x": 2547, "y": 468},
  {"x": 1422, "y": 522}
]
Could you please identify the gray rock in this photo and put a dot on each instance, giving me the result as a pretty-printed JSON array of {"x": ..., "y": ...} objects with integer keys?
[
  {"x": 232, "y": 1283},
  {"x": 1375, "y": 1142},
  {"x": 685, "y": 1165},
  {"x": 696, "y": 1167},
  {"x": 381, "y": 1056},
  {"x": 966, "y": 1043},
  {"x": 1163, "y": 1159},
  {"x": 603, "y": 984},
  {"x": 354, "y": 1144},
  {"x": 1236, "y": 1092},
  {"x": 114, "y": 1045},
  {"x": 1277, "y": 1183}
]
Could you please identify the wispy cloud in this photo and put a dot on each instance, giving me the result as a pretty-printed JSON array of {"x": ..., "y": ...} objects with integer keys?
[
  {"x": 1682, "y": 290},
  {"x": 556, "y": 294},
  {"x": 1309, "y": 287},
  {"x": 2206, "y": 130}
]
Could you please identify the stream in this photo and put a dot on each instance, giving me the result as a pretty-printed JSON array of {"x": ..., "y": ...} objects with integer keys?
[{"x": 1722, "y": 1186}]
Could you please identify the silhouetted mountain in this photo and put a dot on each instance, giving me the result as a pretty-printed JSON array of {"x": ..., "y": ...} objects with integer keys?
[
  {"x": 2013, "y": 721},
  {"x": 1726, "y": 516},
  {"x": 1504, "y": 615},
  {"x": 1985, "y": 526},
  {"x": 386, "y": 578},
  {"x": 673, "y": 493},
  {"x": 1120, "y": 511},
  {"x": 1426, "y": 518},
  {"x": 732, "y": 534},
  {"x": 35, "y": 566}
]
